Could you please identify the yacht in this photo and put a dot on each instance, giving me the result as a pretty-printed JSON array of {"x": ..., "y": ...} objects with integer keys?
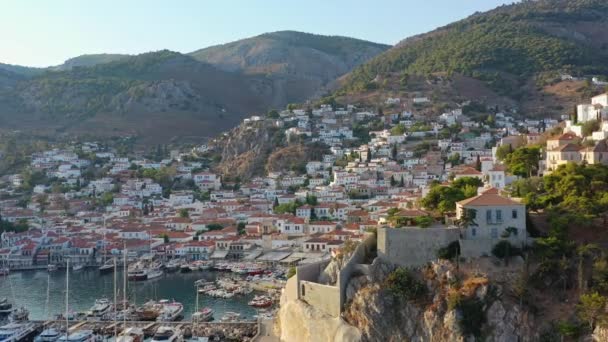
[
  {"x": 173, "y": 265},
  {"x": 131, "y": 334},
  {"x": 185, "y": 268},
  {"x": 203, "y": 315},
  {"x": 19, "y": 315},
  {"x": 167, "y": 334},
  {"x": 52, "y": 268},
  {"x": 231, "y": 317},
  {"x": 79, "y": 336},
  {"x": 17, "y": 331},
  {"x": 6, "y": 307},
  {"x": 78, "y": 267},
  {"x": 170, "y": 311},
  {"x": 100, "y": 308},
  {"x": 107, "y": 267},
  {"x": 48, "y": 335}
]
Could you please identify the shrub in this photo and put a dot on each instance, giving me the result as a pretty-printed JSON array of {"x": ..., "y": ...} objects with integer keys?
[
  {"x": 473, "y": 316},
  {"x": 504, "y": 249},
  {"x": 291, "y": 272},
  {"x": 450, "y": 251},
  {"x": 402, "y": 282}
]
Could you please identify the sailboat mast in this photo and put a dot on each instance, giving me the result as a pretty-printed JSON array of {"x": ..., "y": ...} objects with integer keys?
[
  {"x": 115, "y": 302},
  {"x": 67, "y": 296},
  {"x": 124, "y": 285}
]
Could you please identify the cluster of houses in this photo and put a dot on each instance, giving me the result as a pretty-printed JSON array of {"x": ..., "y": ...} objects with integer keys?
[{"x": 366, "y": 181}]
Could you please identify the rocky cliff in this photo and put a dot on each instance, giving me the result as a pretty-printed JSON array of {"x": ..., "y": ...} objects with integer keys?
[{"x": 456, "y": 306}]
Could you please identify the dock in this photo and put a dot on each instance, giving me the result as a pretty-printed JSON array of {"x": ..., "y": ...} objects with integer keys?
[{"x": 236, "y": 331}]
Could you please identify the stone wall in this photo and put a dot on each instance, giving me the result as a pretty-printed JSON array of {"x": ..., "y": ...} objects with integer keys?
[
  {"x": 483, "y": 247},
  {"x": 325, "y": 298},
  {"x": 355, "y": 265},
  {"x": 413, "y": 247}
]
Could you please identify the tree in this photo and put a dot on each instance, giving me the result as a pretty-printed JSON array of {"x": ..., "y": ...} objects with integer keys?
[
  {"x": 592, "y": 307},
  {"x": 478, "y": 164},
  {"x": 590, "y": 127},
  {"x": 401, "y": 183},
  {"x": 166, "y": 238},
  {"x": 183, "y": 213},
  {"x": 393, "y": 182},
  {"x": 584, "y": 251},
  {"x": 272, "y": 114},
  {"x": 523, "y": 161}
]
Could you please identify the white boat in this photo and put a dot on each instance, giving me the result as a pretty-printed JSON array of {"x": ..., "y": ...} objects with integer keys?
[
  {"x": 167, "y": 334},
  {"x": 107, "y": 267},
  {"x": 19, "y": 315},
  {"x": 6, "y": 307},
  {"x": 52, "y": 268},
  {"x": 79, "y": 336},
  {"x": 132, "y": 334},
  {"x": 78, "y": 267},
  {"x": 16, "y": 331},
  {"x": 231, "y": 317},
  {"x": 203, "y": 315},
  {"x": 154, "y": 273},
  {"x": 100, "y": 308},
  {"x": 170, "y": 310},
  {"x": 185, "y": 268},
  {"x": 4, "y": 271},
  {"x": 48, "y": 335}
]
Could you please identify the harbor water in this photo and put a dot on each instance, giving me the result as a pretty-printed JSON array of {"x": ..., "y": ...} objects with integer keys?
[{"x": 30, "y": 289}]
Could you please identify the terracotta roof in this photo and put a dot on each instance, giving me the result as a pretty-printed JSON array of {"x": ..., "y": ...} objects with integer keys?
[{"x": 489, "y": 197}]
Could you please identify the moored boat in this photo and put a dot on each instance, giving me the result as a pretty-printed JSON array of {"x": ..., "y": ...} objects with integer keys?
[
  {"x": 48, "y": 335},
  {"x": 79, "y": 336},
  {"x": 132, "y": 334},
  {"x": 170, "y": 311},
  {"x": 203, "y": 315},
  {"x": 17, "y": 331},
  {"x": 6, "y": 307},
  {"x": 167, "y": 334},
  {"x": 185, "y": 268},
  {"x": 78, "y": 267},
  {"x": 107, "y": 267},
  {"x": 52, "y": 268},
  {"x": 4, "y": 271}
]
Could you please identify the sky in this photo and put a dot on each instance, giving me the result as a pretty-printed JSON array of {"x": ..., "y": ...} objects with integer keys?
[{"x": 43, "y": 33}]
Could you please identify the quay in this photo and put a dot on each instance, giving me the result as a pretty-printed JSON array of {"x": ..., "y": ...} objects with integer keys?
[{"x": 235, "y": 331}]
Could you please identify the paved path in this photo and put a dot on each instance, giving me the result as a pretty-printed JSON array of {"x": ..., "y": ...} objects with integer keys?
[{"x": 267, "y": 332}]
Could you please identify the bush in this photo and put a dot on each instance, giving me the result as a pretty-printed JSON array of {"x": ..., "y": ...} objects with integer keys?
[
  {"x": 402, "y": 283},
  {"x": 450, "y": 251},
  {"x": 504, "y": 249},
  {"x": 291, "y": 272},
  {"x": 473, "y": 316}
]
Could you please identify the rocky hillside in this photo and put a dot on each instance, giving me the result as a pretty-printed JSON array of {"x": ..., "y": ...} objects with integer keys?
[
  {"x": 173, "y": 94},
  {"x": 512, "y": 53},
  {"x": 300, "y": 64}
]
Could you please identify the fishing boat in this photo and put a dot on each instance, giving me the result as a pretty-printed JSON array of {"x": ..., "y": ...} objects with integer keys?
[
  {"x": 78, "y": 267},
  {"x": 6, "y": 307},
  {"x": 149, "y": 311},
  {"x": 48, "y": 335},
  {"x": 52, "y": 268},
  {"x": 167, "y": 334},
  {"x": 107, "y": 267},
  {"x": 203, "y": 315},
  {"x": 79, "y": 336},
  {"x": 170, "y": 311},
  {"x": 17, "y": 331},
  {"x": 131, "y": 334},
  {"x": 260, "y": 302},
  {"x": 231, "y": 316}
]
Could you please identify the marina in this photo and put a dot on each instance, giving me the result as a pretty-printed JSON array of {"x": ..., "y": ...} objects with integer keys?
[{"x": 173, "y": 295}]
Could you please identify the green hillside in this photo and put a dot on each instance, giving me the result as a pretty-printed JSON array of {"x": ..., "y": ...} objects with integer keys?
[{"x": 521, "y": 40}]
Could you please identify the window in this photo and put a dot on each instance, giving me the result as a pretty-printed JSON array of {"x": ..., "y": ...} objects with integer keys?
[
  {"x": 489, "y": 216},
  {"x": 494, "y": 233},
  {"x": 514, "y": 214},
  {"x": 498, "y": 215},
  {"x": 474, "y": 231},
  {"x": 303, "y": 290}
]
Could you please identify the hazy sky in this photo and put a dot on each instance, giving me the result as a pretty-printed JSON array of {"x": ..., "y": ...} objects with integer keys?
[{"x": 47, "y": 32}]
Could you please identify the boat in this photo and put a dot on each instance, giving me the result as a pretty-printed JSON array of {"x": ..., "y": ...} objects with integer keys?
[
  {"x": 17, "y": 331},
  {"x": 48, "y": 335},
  {"x": 203, "y": 315},
  {"x": 149, "y": 311},
  {"x": 204, "y": 266},
  {"x": 167, "y": 334},
  {"x": 137, "y": 273},
  {"x": 4, "y": 271},
  {"x": 170, "y": 311},
  {"x": 154, "y": 273},
  {"x": 6, "y": 307},
  {"x": 185, "y": 268},
  {"x": 173, "y": 265},
  {"x": 52, "y": 268},
  {"x": 231, "y": 316},
  {"x": 78, "y": 267},
  {"x": 132, "y": 334},
  {"x": 260, "y": 302},
  {"x": 100, "y": 308},
  {"x": 194, "y": 266},
  {"x": 107, "y": 267},
  {"x": 19, "y": 315},
  {"x": 79, "y": 336}
]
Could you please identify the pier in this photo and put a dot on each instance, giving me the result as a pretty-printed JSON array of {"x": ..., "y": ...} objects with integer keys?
[{"x": 233, "y": 331}]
